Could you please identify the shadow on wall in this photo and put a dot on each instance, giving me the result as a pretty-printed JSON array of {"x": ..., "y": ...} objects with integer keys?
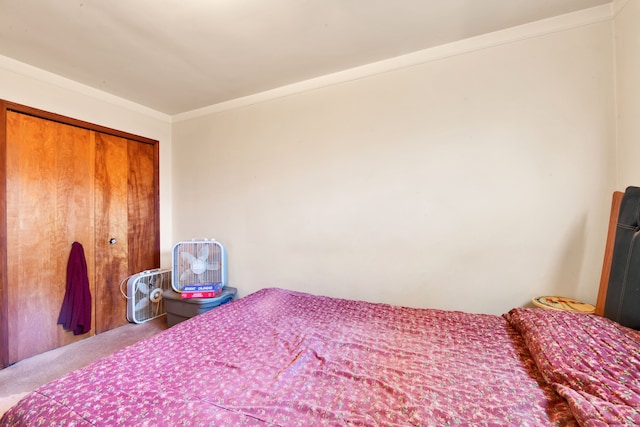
[{"x": 565, "y": 281}]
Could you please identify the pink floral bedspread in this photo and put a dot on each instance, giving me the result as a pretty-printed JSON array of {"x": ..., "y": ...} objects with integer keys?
[
  {"x": 591, "y": 361},
  {"x": 283, "y": 358}
]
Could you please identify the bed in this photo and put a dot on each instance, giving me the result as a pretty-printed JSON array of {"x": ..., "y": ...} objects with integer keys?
[{"x": 285, "y": 358}]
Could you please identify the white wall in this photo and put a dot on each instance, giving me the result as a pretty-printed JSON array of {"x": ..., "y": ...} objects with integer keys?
[
  {"x": 474, "y": 181},
  {"x": 35, "y": 88},
  {"x": 627, "y": 42},
  {"x": 471, "y": 182}
]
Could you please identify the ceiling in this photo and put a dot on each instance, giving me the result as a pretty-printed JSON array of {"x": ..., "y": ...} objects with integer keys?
[{"x": 175, "y": 56}]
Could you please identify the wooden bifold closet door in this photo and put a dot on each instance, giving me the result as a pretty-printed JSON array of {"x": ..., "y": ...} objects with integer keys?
[
  {"x": 125, "y": 222},
  {"x": 49, "y": 205},
  {"x": 65, "y": 181}
]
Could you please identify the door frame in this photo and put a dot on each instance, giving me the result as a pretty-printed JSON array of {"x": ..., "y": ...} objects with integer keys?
[{"x": 4, "y": 262}]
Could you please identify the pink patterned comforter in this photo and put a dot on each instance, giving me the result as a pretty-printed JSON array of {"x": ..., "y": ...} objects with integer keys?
[
  {"x": 592, "y": 362},
  {"x": 283, "y": 358}
]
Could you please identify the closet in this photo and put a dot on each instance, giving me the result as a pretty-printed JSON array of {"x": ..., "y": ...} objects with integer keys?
[{"x": 64, "y": 181}]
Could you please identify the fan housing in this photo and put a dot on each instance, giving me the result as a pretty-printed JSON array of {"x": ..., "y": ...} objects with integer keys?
[
  {"x": 144, "y": 294},
  {"x": 198, "y": 263}
]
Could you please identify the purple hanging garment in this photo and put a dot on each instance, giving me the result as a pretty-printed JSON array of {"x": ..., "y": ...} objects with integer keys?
[{"x": 75, "y": 313}]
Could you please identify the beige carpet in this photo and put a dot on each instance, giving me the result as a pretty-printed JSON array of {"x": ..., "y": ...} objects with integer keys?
[{"x": 26, "y": 375}]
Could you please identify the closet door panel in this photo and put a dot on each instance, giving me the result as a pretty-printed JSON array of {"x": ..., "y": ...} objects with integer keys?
[
  {"x": 49, "y": 206},
  {"x": 111, "y": 225},
  {"x": 142, "y": 209},
  {"x": 66, "y": 180}
]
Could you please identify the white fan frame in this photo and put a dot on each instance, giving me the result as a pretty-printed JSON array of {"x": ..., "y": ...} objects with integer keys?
[
  {"x": 155, "y": 294},
  {"x": 200, "y": 263}
]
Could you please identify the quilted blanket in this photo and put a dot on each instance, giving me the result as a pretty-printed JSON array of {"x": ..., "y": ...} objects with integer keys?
[
  {"x": 284, "y": 358},
  {"x": 594, "y": 363}
]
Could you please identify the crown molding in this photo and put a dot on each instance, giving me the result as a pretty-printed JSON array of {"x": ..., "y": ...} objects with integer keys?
[
  {"x": 510, "y": 35},
  {"x": 39, "y": 74},
  {"x": 618, "y": 5}
]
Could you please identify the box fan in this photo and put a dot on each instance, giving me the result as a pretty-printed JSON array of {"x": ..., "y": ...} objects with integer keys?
[
  {"x": 199, "y": 263},
  {"x": 144, "y": 294}
]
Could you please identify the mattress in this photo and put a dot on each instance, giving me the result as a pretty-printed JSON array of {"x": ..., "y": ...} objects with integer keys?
[{"x": 285, "y": 358}]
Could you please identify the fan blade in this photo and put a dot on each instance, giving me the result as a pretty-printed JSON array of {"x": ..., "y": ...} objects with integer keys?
[
  {"x": 143, "y": 303},
  {"x": 186, "y": 256},
  {"x": 213, "y": 266},
  {"x": 204, "y": 252},
  {"x": 185, "y": 275},
  {"x": 143, "y": 287}
]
